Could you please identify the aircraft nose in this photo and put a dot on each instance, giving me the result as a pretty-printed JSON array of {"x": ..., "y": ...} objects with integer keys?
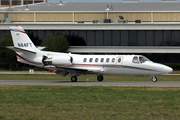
[{"x": 168, "y": 69}]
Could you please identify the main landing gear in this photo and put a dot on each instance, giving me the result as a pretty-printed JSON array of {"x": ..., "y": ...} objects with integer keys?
[
  {"x": 154, "y": 78},
  {"x": 100, "y": 78},
  {"x": 73, "y": 79}
]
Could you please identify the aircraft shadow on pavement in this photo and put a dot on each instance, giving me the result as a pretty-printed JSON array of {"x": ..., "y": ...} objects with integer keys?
[{"x": 70, "y": 81}]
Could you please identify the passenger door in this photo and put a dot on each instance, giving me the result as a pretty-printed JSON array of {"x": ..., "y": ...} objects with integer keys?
[{"x": 119, "y": 62}]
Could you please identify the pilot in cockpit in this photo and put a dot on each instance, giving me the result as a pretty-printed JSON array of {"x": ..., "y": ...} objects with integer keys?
[{"x": 135, "y": 59}]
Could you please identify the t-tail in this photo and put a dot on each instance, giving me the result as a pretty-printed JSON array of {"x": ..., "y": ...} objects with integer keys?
[{"x": 26, "y": 51}]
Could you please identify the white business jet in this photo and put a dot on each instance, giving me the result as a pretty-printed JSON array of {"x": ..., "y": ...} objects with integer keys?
[{"x": 75, "y": 65}]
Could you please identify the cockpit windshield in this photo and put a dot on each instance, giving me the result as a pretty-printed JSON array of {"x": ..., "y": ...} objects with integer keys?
[{"x": 139, "y": 59}]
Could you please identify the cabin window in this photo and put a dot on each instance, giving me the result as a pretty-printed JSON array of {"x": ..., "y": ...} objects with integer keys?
[
  {"x": 102, "y": 59},
  {"x": 135, "y": 60},
  {"x": 90, "y": 60},
  {"x": 119, "y": 60},
  {"x": 96, "y": 60},
  {"x": 85, "y": 59},
  {"x": 113, "y": 60},
  {"x": 107, "y": 60}
]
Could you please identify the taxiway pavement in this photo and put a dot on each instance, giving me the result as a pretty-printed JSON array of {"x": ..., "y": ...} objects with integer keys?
[{"x": 91, "y": 83}]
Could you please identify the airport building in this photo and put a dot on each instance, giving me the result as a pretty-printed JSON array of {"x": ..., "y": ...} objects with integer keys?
[
  {"x": 151, "y": 29},
  {"x": 7, "y": 3}
]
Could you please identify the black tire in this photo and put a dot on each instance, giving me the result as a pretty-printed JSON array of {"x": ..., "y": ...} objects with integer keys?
[
  {"x": 100, "y": 78},
  {"x": 73, "y": 79},
  {"x": 154, "y": 79}
]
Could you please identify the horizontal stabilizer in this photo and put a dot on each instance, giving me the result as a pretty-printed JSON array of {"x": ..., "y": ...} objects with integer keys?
[
  {"x": 41, "y": 48},
  {"x": 20, "y": 49}
]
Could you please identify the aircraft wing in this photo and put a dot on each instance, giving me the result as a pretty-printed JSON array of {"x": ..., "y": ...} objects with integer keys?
[
  {"x": 78, "y": 70},
  {"x": 63, "y": 70}
]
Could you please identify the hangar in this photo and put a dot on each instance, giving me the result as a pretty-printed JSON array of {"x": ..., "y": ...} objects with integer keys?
[{"x": 152, "y": 29}]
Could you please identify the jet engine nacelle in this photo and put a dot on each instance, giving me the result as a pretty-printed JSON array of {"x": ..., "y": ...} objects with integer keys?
[{"x": 62, "y": 60}]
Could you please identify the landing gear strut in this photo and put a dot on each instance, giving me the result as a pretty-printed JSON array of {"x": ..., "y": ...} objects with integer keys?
[
  {"x": 73, "y": 79},
  {"x": 154, "y": 79},
  {"x": 100, "y": 78}
]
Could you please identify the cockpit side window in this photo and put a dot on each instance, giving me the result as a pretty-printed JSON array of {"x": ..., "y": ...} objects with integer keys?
[
  {"x": 135, "y": 59},
  {"x": 143, "y": 59}
]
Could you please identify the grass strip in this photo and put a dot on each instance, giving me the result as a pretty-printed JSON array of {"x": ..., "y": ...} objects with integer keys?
[{"x": 68, "y": 102}]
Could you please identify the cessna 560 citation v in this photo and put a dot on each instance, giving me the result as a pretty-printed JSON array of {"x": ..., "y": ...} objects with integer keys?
[{"x": 75, "y": 65}]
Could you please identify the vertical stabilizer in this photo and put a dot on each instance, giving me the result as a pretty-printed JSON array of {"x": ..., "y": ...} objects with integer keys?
[
  {"x": 21, "y": 40},
  {"x": 26, "y": 51}
]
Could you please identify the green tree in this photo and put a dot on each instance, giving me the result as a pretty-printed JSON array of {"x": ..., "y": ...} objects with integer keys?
[
  {"x": 5, "y": 53},
  {"x": 56, "y": 43}
]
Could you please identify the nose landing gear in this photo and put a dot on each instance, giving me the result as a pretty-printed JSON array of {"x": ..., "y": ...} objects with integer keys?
[{"x": 154, "y": 78}]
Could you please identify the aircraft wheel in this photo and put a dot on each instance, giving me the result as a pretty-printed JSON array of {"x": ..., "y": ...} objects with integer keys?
[
  {"x": 100, "y": 78},
  {"x": 154, "y": 79},
  {"x": 73, "y": 79}
]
